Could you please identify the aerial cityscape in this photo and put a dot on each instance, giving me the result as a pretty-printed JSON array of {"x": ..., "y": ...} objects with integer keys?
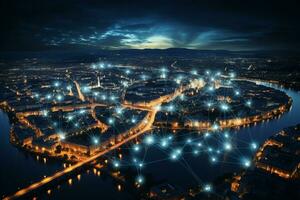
[{"x": 131, "y": 100}]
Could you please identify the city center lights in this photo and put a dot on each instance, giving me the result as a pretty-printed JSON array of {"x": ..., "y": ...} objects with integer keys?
[
  {"x": 147, "y": 100},
  {"x": 135, "y": 118}
]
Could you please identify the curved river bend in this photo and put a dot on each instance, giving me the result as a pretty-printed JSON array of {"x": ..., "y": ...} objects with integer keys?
[{"x": 19, "y": 169}]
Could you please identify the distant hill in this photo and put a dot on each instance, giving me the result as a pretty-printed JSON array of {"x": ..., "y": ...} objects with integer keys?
[{"x": 91, "y": 54}]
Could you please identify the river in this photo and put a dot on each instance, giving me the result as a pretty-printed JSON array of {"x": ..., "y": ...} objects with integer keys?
[{"x": 19, "y": 169}]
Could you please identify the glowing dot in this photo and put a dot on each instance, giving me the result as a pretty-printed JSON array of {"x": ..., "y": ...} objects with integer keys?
[
  {"x": 253, "y": 145},
  {"x": 57, "y": 84},
  {"x": 163, "y": 75},
  {"x": 86, "y": 89},
  {"x": 215, "y": 127},
  {"x": 189, "y": 140},
  {"x": 136, "y": 148},
  {"x": 164, "y": 143},
  {"x": 119, "y": 110},
  {"x": 45, "y": 113},
  {"x": 140, "y": 179},
  {"x": 103, "y": 97},
  {"x": 127, "y": 71},
  {"x": 70, "y": 117},
  {"x": 237, "y": 92},
  {"x": 116, "y": 164},
  {"x": 133, "y": 120},
  {"x": 246, "y": 163},
  {"x": 206, "y": 134},
  {"x": 96, "y": 140},
  {"x": 213, "y": 159},
  {"x": 199, "y": 144},
  {"x": 182, "y": 97},
  {"x": 82, "y": 111},
  {"x": 62, "y": 136},
  {"x": 211, "y": 88},
  {"x": 141, "y": 165},
  {"x": 59, "y": 97},
  {"x": 227, "y": 146},
  {"x": 209, "y": 104},
  {"x": 170, "y": 108},
  {"x": 149, "y": 139},
  {"x": 196, "y": 152},
  {"x": 232, "y": 75},
  {"x": 48, "y": 96},
  {"x": 226, "y": 135},
  {"x": 112, "y": 97},
  {"x": 174, "y": 156},
  {"x": 207, "y": 188},
  {"x": 111, "y": 120},
  {"x": 224, "y": 107},
  {"x": 194, "y": 72},
  {"x": 157, "y": 108},
  {"x": 249, "y": 103}
]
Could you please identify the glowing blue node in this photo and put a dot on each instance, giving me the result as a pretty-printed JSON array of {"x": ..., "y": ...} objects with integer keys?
[
  {"x": 213, "y": 159},
  {"x": 111, "y": 121},
  {"x": 249, "y": 103},
  {"x": 164, "y": 143},
  {"x": 227, "y": 146},
  {"x": 215, "y": 127},
  {"x": 62, "y": 136},
  {"x": 207, "y": 188},
  {"x": 149, "y": 139},
  {"x": 140, "y": 165},
  {"x": 136, "y": 148},
  {"x": 224, "y": 107},
  {"x": 246, "y": 163},
  {"x": 59, "y": 97},
  {"x": 95, "y": 140},
  {"x": 140, "y": 179},
  {"x": 116, "y": 164},
  {"x": 253, "y": 145},
  {"x": 189, "y": 140}
]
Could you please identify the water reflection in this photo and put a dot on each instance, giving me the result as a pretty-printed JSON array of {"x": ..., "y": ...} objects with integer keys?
[{"x": 21, "y": 168}]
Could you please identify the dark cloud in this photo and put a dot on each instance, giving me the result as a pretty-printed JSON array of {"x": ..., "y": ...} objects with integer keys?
[{"x": 214, "y": 24}]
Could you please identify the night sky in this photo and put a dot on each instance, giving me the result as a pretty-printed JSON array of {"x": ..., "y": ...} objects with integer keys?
[{"x": 35, "y": 25}]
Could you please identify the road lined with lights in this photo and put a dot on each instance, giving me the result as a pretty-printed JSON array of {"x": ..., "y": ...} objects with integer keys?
[{"x": 142, "y": 127}]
